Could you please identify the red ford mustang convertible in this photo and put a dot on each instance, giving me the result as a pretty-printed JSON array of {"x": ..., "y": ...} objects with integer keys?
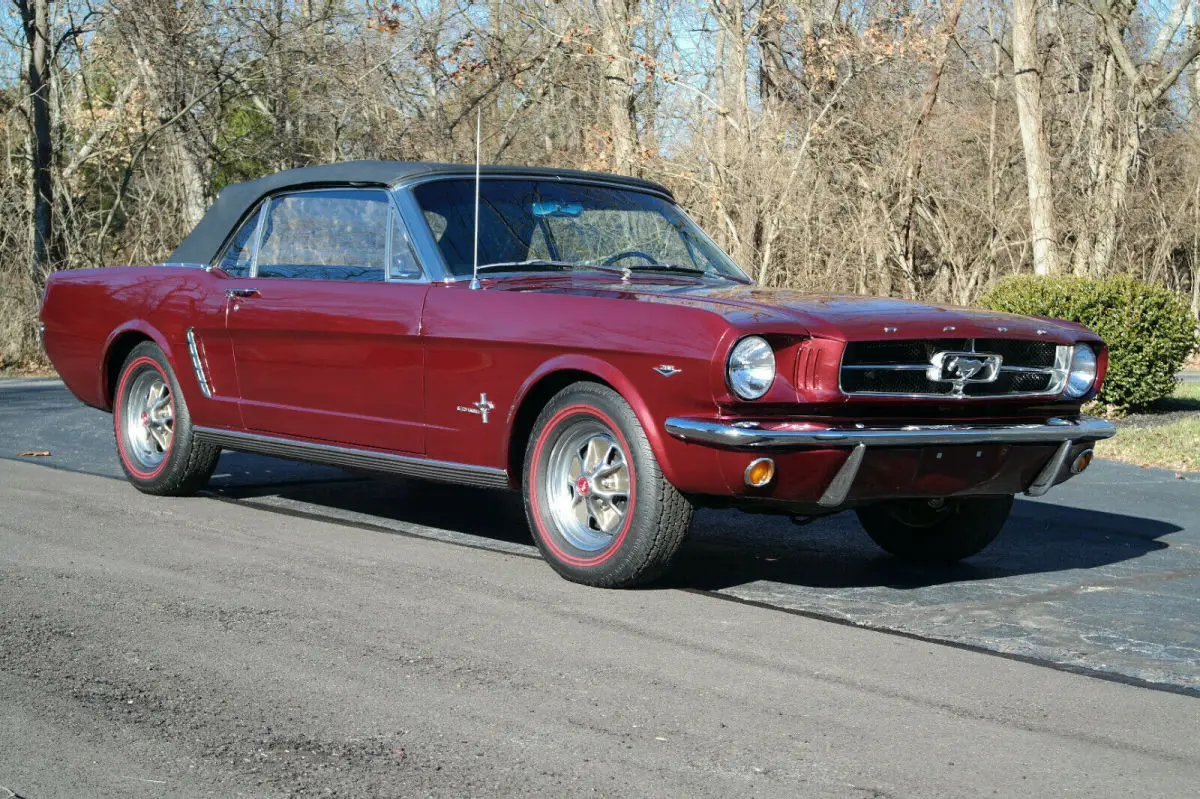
[{"x": 610, "y": 362}]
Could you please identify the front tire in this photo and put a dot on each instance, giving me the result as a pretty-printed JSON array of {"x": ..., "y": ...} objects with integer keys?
[
  {"x": 923, "y": 530},
  {"x": 155, "y": 440},
  {"x": 599, "y": 507}
]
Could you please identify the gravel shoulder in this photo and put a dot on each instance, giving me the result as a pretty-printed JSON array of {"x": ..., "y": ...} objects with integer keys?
[{"x": 199, "y": 648}]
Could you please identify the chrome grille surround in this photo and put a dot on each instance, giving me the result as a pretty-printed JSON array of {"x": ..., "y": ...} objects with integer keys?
[{"x": 911, "y": 369}]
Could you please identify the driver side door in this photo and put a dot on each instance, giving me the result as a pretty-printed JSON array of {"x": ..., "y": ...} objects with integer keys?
[{"x": 326, "y": 326}]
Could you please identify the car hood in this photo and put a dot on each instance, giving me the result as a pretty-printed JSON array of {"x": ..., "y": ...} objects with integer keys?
[{"x": 843, "y": 317}]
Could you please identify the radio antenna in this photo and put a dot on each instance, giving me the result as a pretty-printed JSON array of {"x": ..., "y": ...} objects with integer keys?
[{"x": 478, "y": 147}]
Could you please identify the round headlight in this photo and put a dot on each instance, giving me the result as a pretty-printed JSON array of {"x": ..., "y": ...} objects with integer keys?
[
  {"x": 1083, "y": 371},
  {"x": 751, "y": 367}
]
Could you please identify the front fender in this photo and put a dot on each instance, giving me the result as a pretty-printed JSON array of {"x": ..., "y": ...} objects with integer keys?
[{"x": 652, "y": 402}]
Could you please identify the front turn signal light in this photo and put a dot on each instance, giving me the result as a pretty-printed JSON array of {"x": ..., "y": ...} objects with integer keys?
[{"x": 760, "y": 472}]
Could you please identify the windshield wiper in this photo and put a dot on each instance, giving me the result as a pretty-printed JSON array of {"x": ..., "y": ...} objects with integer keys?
[
  {"x": 545, "y": 263},
  {"x": 691, "y": 270}
]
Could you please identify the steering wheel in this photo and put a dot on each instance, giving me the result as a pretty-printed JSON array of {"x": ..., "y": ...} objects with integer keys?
[{"x": 631, "y": 254}]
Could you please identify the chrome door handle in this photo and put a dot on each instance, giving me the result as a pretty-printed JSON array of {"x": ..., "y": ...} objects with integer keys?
[{"x": 241, "y": 294}]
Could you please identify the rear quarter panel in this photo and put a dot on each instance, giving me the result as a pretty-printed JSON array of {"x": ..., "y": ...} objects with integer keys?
[{"x": 85, "y": 311}]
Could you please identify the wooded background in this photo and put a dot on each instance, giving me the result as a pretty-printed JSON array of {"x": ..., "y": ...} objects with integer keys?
[{"x": 909, "y": 148}]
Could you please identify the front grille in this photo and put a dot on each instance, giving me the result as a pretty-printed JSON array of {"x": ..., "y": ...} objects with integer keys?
[{"x": 1014, "y": 368}]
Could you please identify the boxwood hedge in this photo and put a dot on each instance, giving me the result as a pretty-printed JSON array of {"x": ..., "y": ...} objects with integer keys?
[{"x": 1150, "y": 330}]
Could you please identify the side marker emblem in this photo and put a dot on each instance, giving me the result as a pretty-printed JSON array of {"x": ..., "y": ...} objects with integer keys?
[
  {"x": 667, "y": 370},
  {"x": 481, "y": 408}
]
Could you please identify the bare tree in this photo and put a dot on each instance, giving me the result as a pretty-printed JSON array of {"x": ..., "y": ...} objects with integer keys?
[
  {"x": 35, "y": 21},
  {"x": 873, "y": 146},
  {"x": 616, "y": 32},
  {"x": 1027, "y": 79}
]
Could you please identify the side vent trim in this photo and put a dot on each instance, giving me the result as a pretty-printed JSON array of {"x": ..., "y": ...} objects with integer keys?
[{"x": 198, "y": 363}]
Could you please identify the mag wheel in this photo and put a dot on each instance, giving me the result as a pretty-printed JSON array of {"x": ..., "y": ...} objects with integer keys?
[
  {"x": 936, "y": 530},
  {"x": 600, "y": 509},
  {"x": 155, "y": 441}
]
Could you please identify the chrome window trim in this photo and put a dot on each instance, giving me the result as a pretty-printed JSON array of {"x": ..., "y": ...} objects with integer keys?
[
  {"x": 258, "y": 206},
  {"x": 387, "y": 272},
  {"x": 266, "y": 202},
  {"x": 182, "y": 265},
  {"x": 403, "y": 188},
  {"x": 424, "y": 245},
  {"x": 264, "y": 206}
]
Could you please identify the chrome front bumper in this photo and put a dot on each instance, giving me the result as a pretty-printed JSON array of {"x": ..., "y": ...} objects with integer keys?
[{"x": 1064, "y": 432}]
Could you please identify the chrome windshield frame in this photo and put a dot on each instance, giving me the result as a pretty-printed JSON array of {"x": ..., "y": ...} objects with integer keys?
[{"x": 439, "y": 271}]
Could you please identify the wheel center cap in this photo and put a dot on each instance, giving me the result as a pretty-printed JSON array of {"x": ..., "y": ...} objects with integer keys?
[{"x": 583, "y": 486}]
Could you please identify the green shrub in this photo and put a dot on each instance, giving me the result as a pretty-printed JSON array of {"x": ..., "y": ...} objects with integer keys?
[{"x": 1149, "y": 329}]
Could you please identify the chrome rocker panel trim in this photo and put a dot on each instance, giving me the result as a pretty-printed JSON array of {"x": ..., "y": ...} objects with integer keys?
[
  {"x": 738, "y": 435},
  {"x": 423, "y": 468},
  {"x": 1063, "y": 432}
]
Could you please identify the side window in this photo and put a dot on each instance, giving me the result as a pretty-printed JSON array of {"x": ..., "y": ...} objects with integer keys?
[
  {"x": 239, "y": 252},
  {"x": 403, "y": 264},
  {"x": 330, "y": 234}
]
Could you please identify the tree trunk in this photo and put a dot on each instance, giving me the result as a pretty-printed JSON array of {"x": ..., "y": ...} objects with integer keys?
[
  {"x": 616, "y": 33},
  {"x": 1193, "y": 79},
  {"x": 35, "y": 18},
  {"x": 1027, "y": 80},
  {"x": 160, "y": 36},
  {"x": 1112, "y": 204},
  {"x": 915, "y": 156}
]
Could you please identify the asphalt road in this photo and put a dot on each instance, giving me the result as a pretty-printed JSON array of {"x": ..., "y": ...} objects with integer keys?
[
  {"x": 195, "y": 647},
  {"x": 1102, "y": 575},
  {"x": 317, "y": 632}
]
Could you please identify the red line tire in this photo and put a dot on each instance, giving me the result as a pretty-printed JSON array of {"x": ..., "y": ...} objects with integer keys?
[
  {"x": 156, "y": 444},
  {"x": 601, "y": 511},
  {"x": 915, "y": 530}
]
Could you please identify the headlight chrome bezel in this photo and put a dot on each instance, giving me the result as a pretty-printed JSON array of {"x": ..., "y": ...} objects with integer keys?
[
  {"x": 749, "y": 354},
  {"x": 1081, "y": 378}
]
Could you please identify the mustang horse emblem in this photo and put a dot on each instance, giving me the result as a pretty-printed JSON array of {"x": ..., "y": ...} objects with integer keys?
[
  {"x": 964, "y": 367},
  {"x": 961, "y": 368}
]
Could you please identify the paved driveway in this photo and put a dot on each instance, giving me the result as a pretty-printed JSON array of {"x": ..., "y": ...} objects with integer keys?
[{"x": 1101, "y": 576}]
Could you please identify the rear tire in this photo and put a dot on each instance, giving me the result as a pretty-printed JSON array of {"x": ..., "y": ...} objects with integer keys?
[
  {"x": 915, "y": 530},
  {"x": 599, "y": 507},
  {"x": 156, "y": 444}
]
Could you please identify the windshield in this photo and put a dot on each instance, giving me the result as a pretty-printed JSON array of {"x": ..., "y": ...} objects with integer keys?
[{"x": 571, "y": 223}]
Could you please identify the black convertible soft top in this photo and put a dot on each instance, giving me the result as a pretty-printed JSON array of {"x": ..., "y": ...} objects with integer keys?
[{"x": 237, "y": 199}]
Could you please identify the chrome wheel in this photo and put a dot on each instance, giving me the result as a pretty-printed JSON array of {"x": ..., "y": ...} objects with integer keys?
[
  {"x": 587, "y": 485},
  {"x": 149, "y": 419}
]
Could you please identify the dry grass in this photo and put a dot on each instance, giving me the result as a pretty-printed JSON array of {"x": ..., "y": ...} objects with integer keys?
[
  {"x": 27, "y": 369},
  {"x": 1172, "y": 444}
]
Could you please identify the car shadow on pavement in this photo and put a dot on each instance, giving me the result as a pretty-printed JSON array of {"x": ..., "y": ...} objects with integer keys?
[
  {"x": 730, "y": 549},
  {"x": 498, "y": 515}
]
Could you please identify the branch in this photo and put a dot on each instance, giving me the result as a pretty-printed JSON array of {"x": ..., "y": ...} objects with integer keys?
[
  {"x": 1167, "y": 33},
  {"x": 1155, "y": 94},
  {"x": 1117, "y": 44},
  {"x": 100, "y": 131}
]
